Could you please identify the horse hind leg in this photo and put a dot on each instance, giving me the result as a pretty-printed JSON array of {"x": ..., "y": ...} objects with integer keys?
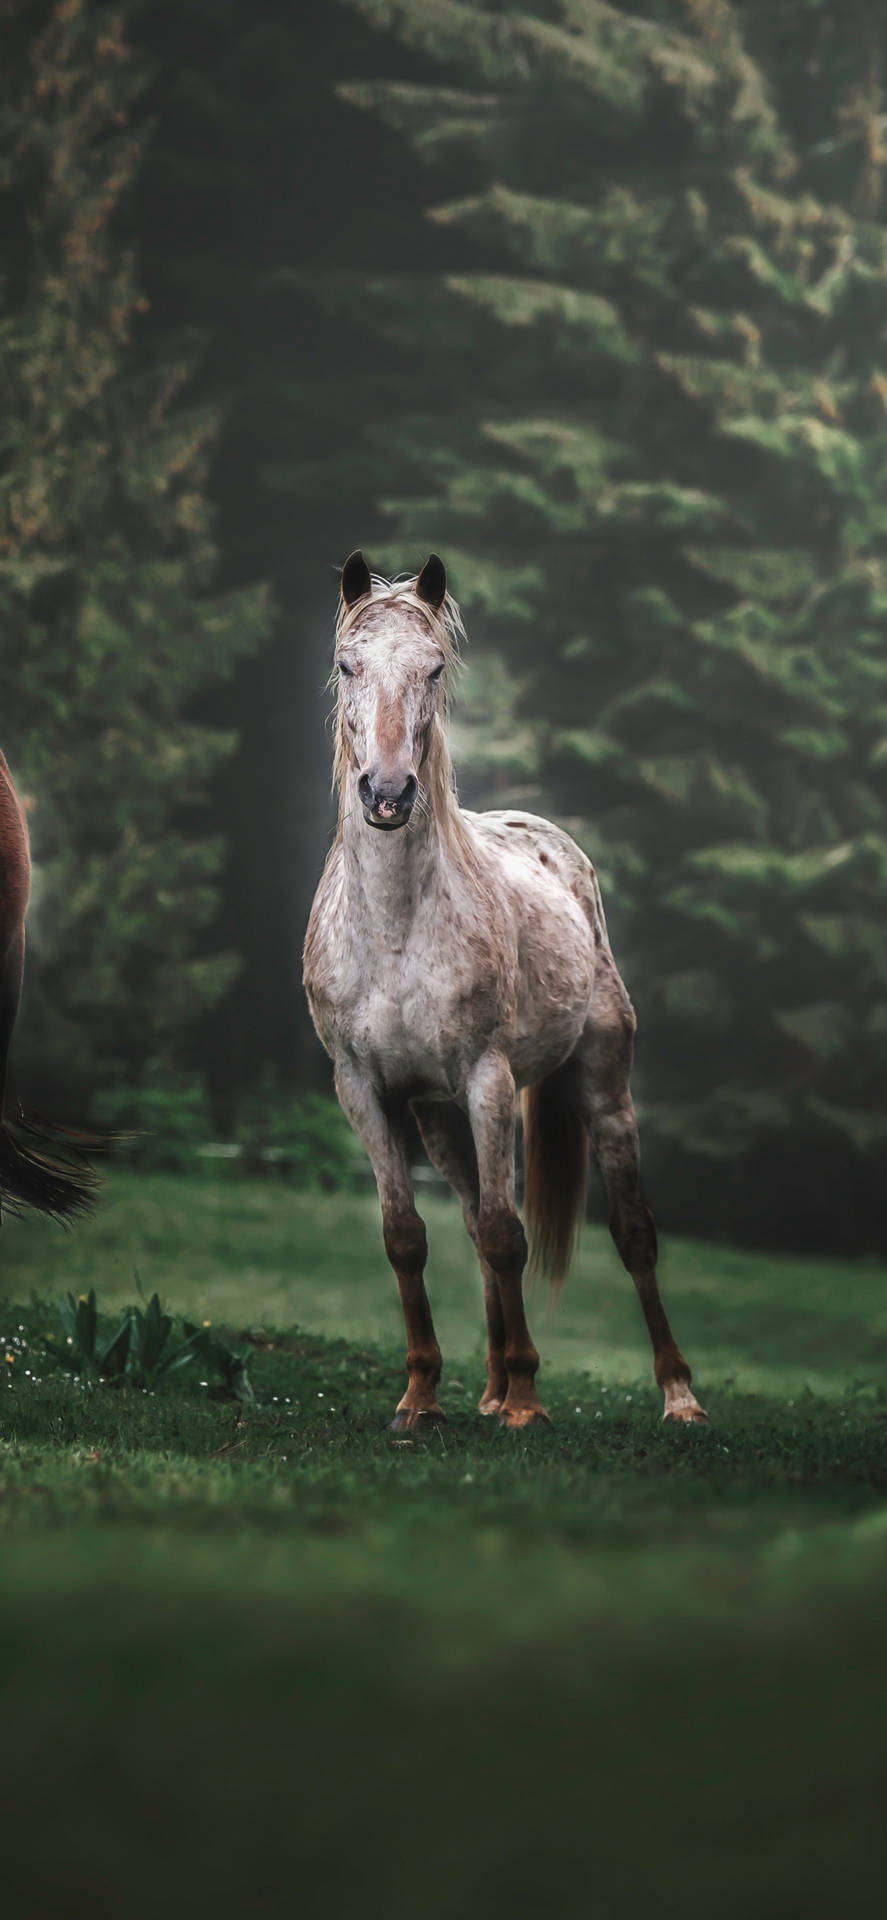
[
  {"x": 449, "y": 1144},
  {"x": 606, "y": 1058}
]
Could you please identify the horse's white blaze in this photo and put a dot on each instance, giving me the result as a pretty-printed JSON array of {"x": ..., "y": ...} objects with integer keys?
[{"x": 389, "y": 695}]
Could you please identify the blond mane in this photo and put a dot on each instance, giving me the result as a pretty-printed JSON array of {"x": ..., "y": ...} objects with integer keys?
[{"x": 437, "y": 785}]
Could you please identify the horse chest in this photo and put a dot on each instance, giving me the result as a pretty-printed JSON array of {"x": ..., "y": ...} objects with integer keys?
[
  {"x": 400, "y": 1032},
  {"x": 395, "y": 997}
]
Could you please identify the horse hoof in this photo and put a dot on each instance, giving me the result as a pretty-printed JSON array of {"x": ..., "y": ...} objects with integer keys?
[
  {"x": 413, "y": 1417},
  {"x": 489, "y": 1404},
  {"x": 689, "y": 1415},
  {"x": 515, "y": 1417}
]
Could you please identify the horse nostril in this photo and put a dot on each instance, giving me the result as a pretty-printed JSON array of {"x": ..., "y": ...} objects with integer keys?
[
  {"x": 365, "y": 791},
  {"x": 409, "y": 793}
]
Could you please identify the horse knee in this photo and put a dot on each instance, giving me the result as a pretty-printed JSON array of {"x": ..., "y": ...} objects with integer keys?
[
  {"x": 501, "y": 1240},
  {"x": 406, "y": 1242}
]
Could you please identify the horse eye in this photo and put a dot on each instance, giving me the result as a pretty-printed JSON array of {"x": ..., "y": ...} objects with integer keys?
[
  {"x": 435, "y": 675},
  {"x": 348, "y": 671}
]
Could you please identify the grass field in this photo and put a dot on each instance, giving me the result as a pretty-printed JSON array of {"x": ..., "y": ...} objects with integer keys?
[{"x": 270, "y": 1659}]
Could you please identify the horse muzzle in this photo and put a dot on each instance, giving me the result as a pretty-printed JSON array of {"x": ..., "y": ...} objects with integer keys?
[{"x": 387, "y": 804}]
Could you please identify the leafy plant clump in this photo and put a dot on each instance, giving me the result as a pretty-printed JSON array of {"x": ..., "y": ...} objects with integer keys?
[
  {"x": 166, "y": 1125},
  {"x": 143, "y": 1350}
]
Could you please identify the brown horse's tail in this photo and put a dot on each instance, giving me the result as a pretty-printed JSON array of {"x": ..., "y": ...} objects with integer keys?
[
  {"x": 555, "y": 1172},
  {"x": 43, "y": 1166}
]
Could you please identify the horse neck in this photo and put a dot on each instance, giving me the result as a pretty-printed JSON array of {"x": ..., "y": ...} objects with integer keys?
[{"x": 389, "y": 876}]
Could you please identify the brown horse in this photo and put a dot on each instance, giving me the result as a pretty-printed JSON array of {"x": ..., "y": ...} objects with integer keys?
[
  {"x": 57, "y": 1182},
  {"x": 452, "y": 958}
]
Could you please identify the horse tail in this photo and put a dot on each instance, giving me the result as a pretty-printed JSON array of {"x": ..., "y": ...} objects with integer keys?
[
  {"x": 555, "y": 1171},
  {"x": 42, "y": 1166}
]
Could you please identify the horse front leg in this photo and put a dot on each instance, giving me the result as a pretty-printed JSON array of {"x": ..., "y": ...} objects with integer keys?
[
  {"x": 501, "y": 1241},
  {"x": 447, "y": 1138},
  {"x": 405, "y": 1240}
]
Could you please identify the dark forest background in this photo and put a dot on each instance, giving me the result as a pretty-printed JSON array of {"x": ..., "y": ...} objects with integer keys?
[{"x": 593, "y": 299}]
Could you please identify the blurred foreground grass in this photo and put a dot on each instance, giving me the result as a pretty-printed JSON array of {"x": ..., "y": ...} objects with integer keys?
[{"x": 269, "y": 1660}]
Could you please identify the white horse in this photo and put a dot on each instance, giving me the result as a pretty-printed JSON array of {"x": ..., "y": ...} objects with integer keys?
[{"x": 452, "y": 958}]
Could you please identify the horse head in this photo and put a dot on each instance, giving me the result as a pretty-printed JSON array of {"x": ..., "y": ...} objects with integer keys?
[{"x": 391, "y": 653}]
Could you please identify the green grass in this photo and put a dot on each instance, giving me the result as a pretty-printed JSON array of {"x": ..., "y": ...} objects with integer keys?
[{"x": 273, "y": 1659}]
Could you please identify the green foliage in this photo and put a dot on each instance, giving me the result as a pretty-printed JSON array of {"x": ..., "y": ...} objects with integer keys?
[
  {"x": 166, "y": 1125},
  {"x": 228, "y": 1364},
  {"x": 162, "y": 1122},
  {"x": 111, "y": 625},
  {"x": 140, "y": 1351},
  {"x": 77, "y": 1348},
  {"x": 305, "y": 1135}
]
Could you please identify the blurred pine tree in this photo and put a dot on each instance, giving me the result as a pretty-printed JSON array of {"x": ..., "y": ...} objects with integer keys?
[
  {"x": 110, "y": 621},
  {"x": 653, "y": 446}
]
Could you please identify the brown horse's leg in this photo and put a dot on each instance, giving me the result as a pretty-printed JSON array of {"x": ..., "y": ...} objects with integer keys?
[
  {"x": 449, "y": 1144},
  {"x": 501, "y": 1241},
  {"x": 406, "y": 1247},
  {"x": 607, "y": 1056},
  {"x": 506, "y": 1258},
  {"x": 405, "y": 1241}
]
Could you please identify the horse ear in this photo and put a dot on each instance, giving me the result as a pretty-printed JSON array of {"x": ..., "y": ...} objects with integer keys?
[
  {"x": 355, "y": 578},
  {"x": 431, "y": 585}
]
